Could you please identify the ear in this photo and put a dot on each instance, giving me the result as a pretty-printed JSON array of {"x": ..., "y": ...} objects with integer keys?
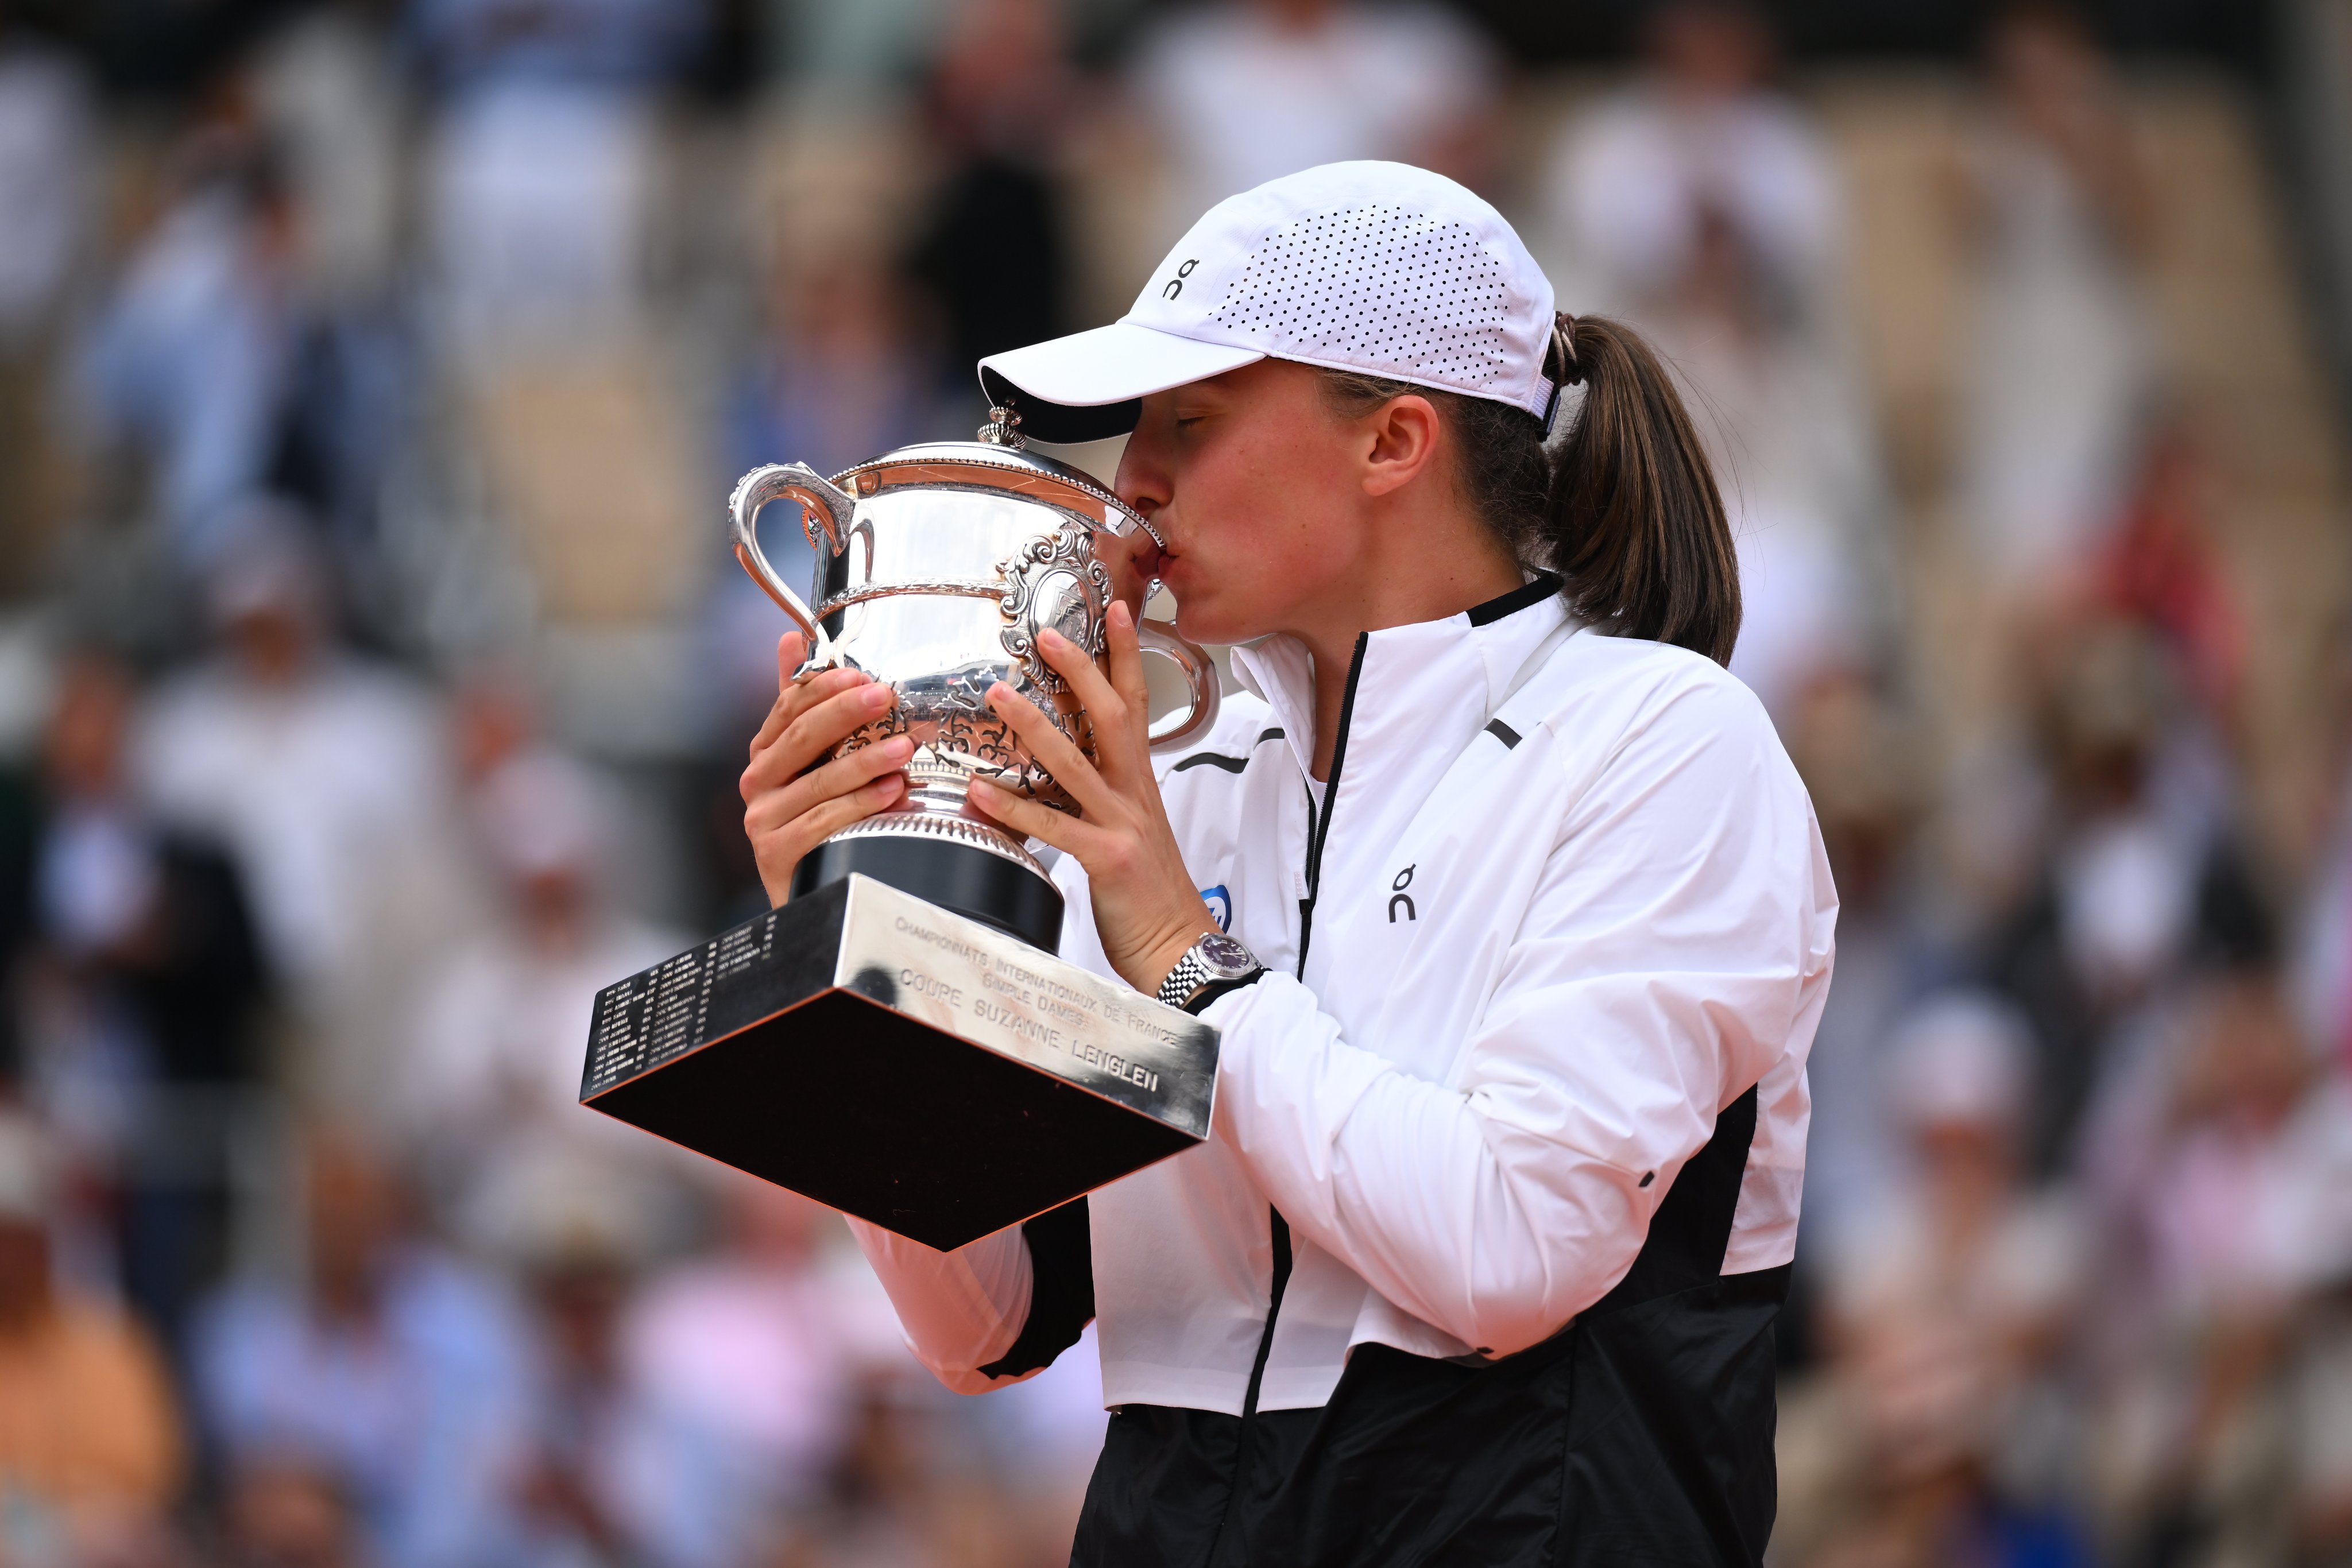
[{"x": 1404, "y": 434}]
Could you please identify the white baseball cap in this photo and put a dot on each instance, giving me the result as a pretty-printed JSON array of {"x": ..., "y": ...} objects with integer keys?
[{"x": 1382, "y": 269}]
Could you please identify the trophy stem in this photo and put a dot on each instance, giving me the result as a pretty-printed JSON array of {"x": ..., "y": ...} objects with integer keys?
[{"x": 969, "y": 867}]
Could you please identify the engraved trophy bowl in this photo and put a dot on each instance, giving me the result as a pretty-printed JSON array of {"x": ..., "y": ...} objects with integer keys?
[{"x": 937, "y": 567}]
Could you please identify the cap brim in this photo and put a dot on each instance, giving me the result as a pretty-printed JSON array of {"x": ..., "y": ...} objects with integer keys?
[{"x": 1090, "y": 385}]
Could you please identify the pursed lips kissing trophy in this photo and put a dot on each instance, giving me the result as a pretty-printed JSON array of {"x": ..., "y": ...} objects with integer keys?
[{"x": 898, "y": 1041}]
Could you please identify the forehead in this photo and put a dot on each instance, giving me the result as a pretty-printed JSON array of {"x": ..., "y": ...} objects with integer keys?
[{"x": 1267, "y": 381}]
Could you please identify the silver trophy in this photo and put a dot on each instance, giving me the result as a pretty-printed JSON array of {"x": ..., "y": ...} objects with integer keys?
[
  {"x": 937, "y": 566},
  {"x": 891, "y": 1041}
]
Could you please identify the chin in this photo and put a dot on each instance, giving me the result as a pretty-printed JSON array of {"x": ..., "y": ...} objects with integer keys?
[
  {"x": 1209, "y": 627},
  {"x": 1203, "y": 614}
]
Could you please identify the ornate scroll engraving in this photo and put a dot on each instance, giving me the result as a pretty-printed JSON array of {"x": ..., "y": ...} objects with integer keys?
[{"x": 1055, "y": 581}]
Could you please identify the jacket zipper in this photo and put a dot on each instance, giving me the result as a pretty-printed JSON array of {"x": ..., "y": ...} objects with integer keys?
[{"x": 1318, "y": 829}]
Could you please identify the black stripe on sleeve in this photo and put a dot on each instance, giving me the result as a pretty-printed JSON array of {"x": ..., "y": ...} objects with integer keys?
[
  {"x": 1217, "y": 759},
  {"x": 1061, "y": 1289},
  {"x": 1504, "y": 733}
]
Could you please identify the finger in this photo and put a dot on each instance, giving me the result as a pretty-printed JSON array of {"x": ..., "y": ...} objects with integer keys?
[
  {"x": 1100, "y": 700},
  {"x": 841, "y": 775},
  {"x": 792, "y": 649},
  {"x": 1048, "y": 745},
  {"x": 1074, "y": 664},
  {"x": 794, "y": 699},
  {"x": 790, "y": 842},
  {"x": 1033, "y": 818},
  {"x": 1126, "y": 649},
  {"x": 807, "y": 740},
  {"x": 813, "y": 733}
]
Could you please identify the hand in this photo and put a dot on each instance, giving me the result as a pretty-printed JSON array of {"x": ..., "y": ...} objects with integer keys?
[
  {"x": 789, "y": 807},
  {"x": 1147, "y": 911}
]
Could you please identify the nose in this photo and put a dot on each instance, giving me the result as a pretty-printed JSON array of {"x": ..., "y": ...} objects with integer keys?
[{"x": 1146, "y": 479}]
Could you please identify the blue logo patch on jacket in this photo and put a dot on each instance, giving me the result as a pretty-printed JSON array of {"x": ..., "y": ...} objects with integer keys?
[{"x": 1221, "y": 905}]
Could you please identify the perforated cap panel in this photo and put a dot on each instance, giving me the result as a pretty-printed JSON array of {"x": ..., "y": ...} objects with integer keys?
[
  {"x": 1380, "y": 288},
  {"x": 1378, "y": 267}
]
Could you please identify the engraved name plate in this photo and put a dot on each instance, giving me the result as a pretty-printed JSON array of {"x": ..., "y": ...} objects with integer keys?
[{"x": 901, "y": 1063}]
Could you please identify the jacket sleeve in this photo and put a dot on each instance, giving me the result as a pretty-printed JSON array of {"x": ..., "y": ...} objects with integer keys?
[
  {"x": 960, "y": 1311},
  {"x": 1678, "y": 945}
]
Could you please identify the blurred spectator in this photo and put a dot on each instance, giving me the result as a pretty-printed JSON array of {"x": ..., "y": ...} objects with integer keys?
[
  {"x": 283, "y": 1514},
  {"x": 2318, "y": 1380},
  {"x": 2227, "y": 1152},
  {"x": 2223, "y": 1154},
  {"x": 324, "y": 778},
  {"x": 185, "y": 371},
  {"x": 2140, "y": 878},
  {"x": 389, "y": 1370},
  {"x": 991, "y": 248},
  {"x": 610, "y": 1472},
  {"x": 324, "y": 86},
  {"x": 542, "y": 165},
  {"x": 2322, "y": 976},
  {"x": 893, "y": 1502},
  {"x": 2061, "y": 366},
  {"x": 1947, "y": 1311},
  {"x": 142, "y": 1005},
  {"x": 1703, "y": 205},
  {"x": 45, "y": 135},
  {"x": 1245, "y": 90},
  {"x": 1859, "y": 763},
  {"x": 752, "y": 1347},
  {"x": 477, "y": 46},
  {"x": 44, "y": 154},
  {"x": 2161, "y": 567},
  {"x": 1699, "y": 150},
  {"x": 838, "y": 379},
  {"x": 499, "y": 1033},
  {"x": 89, "y": 1440},
  {"x": 1044, "y": 1435}
]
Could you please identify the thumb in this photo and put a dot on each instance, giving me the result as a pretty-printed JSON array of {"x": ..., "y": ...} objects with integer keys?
[{"x": 792, "y": 653}]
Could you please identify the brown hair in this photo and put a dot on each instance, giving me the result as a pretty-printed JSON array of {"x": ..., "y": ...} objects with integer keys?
[{"x": 1622, "y": 504}]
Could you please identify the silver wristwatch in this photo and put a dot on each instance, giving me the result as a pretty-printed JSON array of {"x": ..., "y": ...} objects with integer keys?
[{"x": 1216, "y": 959}]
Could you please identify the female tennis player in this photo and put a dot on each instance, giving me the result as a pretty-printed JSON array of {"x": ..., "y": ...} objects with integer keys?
[{"x": 1505, "y": 899}]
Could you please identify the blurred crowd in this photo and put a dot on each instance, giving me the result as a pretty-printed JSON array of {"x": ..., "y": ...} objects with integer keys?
[{"x": 372, "y": 685}]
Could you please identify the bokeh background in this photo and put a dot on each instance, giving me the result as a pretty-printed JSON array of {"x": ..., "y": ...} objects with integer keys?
[{"x": 374, "y": 680}]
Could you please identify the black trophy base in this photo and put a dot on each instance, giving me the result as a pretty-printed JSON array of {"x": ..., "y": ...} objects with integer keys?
[
  {"x": 973, "y": 882},
  {"x": 892, "y": 1061}
]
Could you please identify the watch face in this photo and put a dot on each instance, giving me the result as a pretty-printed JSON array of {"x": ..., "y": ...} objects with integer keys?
[{"x": 1225, "y": 957}]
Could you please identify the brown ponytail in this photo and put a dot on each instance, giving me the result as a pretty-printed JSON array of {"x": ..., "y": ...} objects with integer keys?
[{"x": 1622, "y": 505}]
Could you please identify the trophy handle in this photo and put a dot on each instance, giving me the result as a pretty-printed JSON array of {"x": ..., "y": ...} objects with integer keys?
[
  {"x": 1199, "y": 674},
  {"x": 824, "y": 508}
]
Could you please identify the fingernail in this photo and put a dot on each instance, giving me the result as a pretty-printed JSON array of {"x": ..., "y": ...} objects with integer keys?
[
  {"x": 1118, "y": 609},
  {"x": 900, "y": 747},
  {"x": 876, "y": 695},
  {"x": 1052, "y": 639}
]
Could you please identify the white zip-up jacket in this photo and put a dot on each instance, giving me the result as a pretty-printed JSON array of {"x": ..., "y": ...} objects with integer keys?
[{"x": 1565, "y": 901}]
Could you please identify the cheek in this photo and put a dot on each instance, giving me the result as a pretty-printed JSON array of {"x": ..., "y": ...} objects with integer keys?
[
  {"x": 1251, "y": 553},
  {"x": 1263, "y": 532}
]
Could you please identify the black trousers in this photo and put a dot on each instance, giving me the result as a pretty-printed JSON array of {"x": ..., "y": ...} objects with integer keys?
[{"x": 1640, "y": 1434}]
